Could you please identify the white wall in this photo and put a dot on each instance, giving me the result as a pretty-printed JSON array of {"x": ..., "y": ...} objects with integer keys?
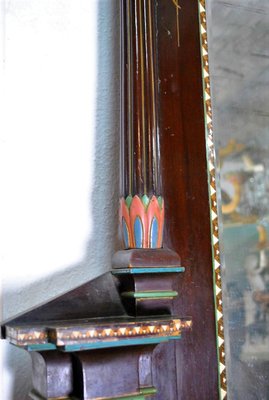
[{"x": 59, "y": 93}]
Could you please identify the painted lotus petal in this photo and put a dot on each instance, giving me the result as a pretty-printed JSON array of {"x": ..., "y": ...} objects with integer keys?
[
  {"x": 145, "y": 200},
  {"x": 128, "y": 201},
  {"x": 142, "y": 220},
  {"x": 126, "y": 234},
  {"x": 125, "y": 215},
  {"x": 161, "y": 225},
  {"x": 155, "y": 211},
  {"x": 138, "y": 233},
  {"x": 137, "y": 209},
  {"x": 160, "y": 201},
  {"x": 154, "y": 233}
]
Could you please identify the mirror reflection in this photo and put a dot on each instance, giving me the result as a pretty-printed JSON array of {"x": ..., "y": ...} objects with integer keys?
[{"x": 239, "y": 60}]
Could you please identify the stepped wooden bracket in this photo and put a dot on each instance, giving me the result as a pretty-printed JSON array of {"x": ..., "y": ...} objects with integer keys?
[{"x": 115, "y": 337}]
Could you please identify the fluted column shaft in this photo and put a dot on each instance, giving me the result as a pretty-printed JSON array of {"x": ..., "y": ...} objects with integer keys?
[{"x": 139, "y": 129}]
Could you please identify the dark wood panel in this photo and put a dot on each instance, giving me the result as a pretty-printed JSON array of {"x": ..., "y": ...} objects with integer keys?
[{"x": 185, "y": 189}]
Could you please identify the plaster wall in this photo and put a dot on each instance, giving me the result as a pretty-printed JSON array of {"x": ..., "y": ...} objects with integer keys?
[{"x": 59, "y": 139}]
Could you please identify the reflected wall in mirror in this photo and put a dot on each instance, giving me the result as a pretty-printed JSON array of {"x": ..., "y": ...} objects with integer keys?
[{"x": 239, "y": 64}]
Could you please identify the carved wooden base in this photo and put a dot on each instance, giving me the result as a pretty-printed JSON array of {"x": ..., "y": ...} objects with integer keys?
[
  {"x": 142, "y": 258},
  {"x": 91, "y": 375},
  {"x": 147, "y": 280},
  {"x": 148, "y": 293},
  {"x": 109, "y": 357},
  {"x": 52, "y": 375}
]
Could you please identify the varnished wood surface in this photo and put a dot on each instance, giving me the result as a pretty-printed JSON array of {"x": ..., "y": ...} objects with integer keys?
[
  {"x": 139, "y": 112},
  {"x": 188, "y": 370},
  {"x": 141, "y": 258},
  {"x": 185, "y": 189},
  {"x": 184, "y": 176},
  {"x": 98, "y": 298},
  {"x": 126, "y": 372}
]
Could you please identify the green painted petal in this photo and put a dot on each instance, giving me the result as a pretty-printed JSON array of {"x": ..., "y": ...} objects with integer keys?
[
  {"x": 129, "y": 200},
  {"x": 145, "y": 200},
  {"x": 160, "y": 201}
]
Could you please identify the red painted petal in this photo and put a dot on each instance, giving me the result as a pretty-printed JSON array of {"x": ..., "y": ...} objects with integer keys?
[
  {"x": 137, "y": 209},
  {"x": 124, "y": 213}
]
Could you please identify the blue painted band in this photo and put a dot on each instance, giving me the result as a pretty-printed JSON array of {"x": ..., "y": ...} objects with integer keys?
[
  {"x": 41, "y": 347},
  {"x": 156, "y": 270},
  {"x": 119, "y": 343},
  {"x": 101, "y": 345}
]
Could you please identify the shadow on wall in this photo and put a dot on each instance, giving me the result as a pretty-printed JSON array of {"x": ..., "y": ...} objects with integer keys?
[{"x": 104, "y": 197}]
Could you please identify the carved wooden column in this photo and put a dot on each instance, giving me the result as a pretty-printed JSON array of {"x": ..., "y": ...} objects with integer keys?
[
  {"x": 147, "y": 271},
  {"x": 140, "y": 149}
]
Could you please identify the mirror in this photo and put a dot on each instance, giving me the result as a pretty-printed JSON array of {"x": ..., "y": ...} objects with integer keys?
[{"x": 239, "y": 64}]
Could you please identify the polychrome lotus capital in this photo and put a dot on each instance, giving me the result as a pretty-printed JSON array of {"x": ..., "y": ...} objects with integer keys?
[{"x": 142, "y": 220}]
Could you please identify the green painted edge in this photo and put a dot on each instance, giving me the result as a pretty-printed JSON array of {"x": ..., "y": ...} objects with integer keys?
[
  {"x": 149, "y": 270},
  {"x": 138, "y": 396},
  {"x": 151, "y": 294},
  {"x": 119, "y": 343},
  {"x": 147, "y": 391}
]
